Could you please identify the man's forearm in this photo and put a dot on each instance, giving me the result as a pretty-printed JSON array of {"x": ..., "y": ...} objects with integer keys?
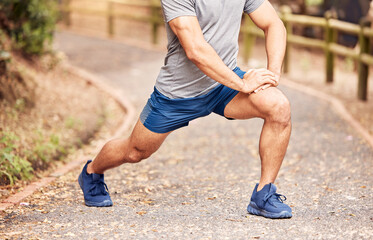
[
  {"x": 275, "y": 36},
  {"x": 209, "y": 62}
]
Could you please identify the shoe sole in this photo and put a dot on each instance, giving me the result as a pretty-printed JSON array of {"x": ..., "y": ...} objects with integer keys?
[
  {"x": 105, "y": 203},
  {"x": 255, "y": 210}
]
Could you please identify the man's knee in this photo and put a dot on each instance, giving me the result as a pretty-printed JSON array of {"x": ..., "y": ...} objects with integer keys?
[
  {"x": 136, "y": 155},
  {"x": 280, "y": 111}
]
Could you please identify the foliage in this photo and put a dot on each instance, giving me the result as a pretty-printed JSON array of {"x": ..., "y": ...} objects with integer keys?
[
  {"x": 18, "y": 159},
  {"x": 29, "y": 23},
  {"x": 12, "y": 166},
  {"x": 17, "y": 163}
]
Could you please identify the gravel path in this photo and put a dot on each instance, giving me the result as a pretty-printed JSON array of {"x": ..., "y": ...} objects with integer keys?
[{"x": 197, "y": 186}]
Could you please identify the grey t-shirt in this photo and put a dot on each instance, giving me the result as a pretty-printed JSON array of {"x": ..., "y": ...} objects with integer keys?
[{"x": 220, "y": 21}]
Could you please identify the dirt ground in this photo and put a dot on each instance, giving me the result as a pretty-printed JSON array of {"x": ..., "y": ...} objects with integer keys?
[{"x": 67, "y": 109}]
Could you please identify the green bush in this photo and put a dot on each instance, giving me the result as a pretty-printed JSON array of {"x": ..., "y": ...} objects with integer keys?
[{"x": 29, "y": 23}]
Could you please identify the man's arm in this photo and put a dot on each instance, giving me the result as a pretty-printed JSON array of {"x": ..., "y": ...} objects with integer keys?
[
  {"x": 190, "y": 35},
  {"x": 266, "y": 18}
]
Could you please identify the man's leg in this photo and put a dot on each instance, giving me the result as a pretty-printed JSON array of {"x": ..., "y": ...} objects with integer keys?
[
  {"x": 272, "y": 106},
  {"x": 140, "y": 145}
]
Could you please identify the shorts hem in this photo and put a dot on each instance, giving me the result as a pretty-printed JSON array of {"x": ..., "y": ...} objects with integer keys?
[
  {"x": 162, "y": 130},
  {"x": 225, "y": 103}
]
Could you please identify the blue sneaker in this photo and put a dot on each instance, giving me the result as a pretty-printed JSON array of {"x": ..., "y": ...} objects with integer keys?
[
  {"x": 94, "y": 189},
  {"x": 268, "y": 203}
]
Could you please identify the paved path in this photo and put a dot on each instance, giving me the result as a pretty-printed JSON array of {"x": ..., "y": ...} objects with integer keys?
[{"x": 198, "y": 185}]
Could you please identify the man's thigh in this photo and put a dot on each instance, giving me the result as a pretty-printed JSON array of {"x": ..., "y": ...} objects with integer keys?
[
  {"x": 144, "y": 140},
  {"x": 261, "y": 104}
]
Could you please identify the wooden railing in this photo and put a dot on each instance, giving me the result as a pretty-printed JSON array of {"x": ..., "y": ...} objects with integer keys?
[
  {"x": 250, "y": 32},
  {"x": 155, "y": 19},
  {"x": 329, "y": 44}
]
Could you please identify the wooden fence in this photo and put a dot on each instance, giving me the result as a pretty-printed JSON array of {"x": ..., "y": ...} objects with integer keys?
[
  {"x": 250, "y": 32},
  {"x": 329, "y": 44},
  {"x": 155, "y": 19}
]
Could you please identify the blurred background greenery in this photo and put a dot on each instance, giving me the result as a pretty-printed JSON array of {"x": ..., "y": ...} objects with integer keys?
[{"x": 29, "y": 24}]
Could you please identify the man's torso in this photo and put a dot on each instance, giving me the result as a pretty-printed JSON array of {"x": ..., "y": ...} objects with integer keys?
[{"x": 220, "y": 22}]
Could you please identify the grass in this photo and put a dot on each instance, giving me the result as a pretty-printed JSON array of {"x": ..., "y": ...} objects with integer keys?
[
  {"x": 12, "y": 165},
  {"x": 19, "y": 163},
  {"x": 72, "y": 123}
]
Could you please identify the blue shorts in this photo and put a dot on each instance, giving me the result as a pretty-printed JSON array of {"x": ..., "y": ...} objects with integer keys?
[{"x": 162, "y": 114}]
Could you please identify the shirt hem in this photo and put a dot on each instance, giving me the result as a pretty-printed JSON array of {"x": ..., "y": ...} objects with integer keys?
[{"x": 172, "y": 96}]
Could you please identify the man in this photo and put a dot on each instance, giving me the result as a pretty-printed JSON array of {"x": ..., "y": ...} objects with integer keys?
[{"x": 200, "y": 76}]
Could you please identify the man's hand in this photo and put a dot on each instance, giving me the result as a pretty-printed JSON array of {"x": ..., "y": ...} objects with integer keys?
[
  {"x": 258, "y": 79},
  {"x": 268, "y": 84}
]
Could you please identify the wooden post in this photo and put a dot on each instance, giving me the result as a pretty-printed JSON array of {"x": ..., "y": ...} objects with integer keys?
[
  {"x": 155, "y": 20},
  {"x": 110, "y": 19},
  {"x": 330, "y": 37},
  {"x": 248, "y": 38},
  {"x": 286, "y": 11},
  {"x": 66, "y": 12},
  {"x": 363, "y": 68}
]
